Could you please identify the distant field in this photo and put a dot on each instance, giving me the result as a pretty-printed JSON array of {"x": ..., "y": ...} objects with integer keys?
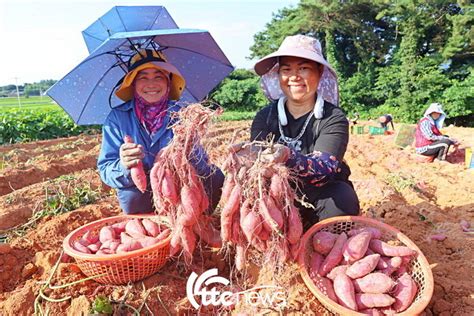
[{"x": 31, "y": 103}]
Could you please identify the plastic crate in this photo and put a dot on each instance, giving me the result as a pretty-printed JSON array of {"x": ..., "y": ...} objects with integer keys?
[
  {"x": 357, "y": 130},
  {"x": 376, "y": 130},
  {"x": 468, "y": 158}
]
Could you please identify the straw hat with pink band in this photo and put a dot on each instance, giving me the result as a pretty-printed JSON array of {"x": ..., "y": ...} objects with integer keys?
[{"x": 304, "y": 47}]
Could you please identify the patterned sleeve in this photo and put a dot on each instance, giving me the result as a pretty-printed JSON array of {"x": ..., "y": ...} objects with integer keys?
[
  {"x": 425, "y": 128},
  {"x": 316, "y": 169}
]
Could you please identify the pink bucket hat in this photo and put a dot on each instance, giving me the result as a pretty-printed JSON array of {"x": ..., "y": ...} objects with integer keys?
[{"x": 305, "y": 47}]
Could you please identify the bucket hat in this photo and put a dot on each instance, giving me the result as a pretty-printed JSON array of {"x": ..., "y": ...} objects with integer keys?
[
  {"x": 145, "y": 59},
  {"x": 304, "y": 47}
]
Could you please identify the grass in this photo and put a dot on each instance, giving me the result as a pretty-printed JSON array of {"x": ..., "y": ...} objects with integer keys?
[
  {"x": 401, "y": 181},
  {"x": 36, "y": 102},
  {"x": 236, "y": 115}
]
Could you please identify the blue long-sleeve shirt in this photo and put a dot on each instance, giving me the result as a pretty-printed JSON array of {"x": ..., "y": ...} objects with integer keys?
[{"x": 123, "y": 121}]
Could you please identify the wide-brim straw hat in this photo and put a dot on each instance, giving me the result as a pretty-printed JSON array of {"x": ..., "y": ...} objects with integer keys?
[
  {"x": 146, "y": 59},
  {"x": 297, "y": 46}
]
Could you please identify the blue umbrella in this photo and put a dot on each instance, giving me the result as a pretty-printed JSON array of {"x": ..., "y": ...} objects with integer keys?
[
  {"x": 86, "y": 93},
  {"x": 127, "y": 19}
]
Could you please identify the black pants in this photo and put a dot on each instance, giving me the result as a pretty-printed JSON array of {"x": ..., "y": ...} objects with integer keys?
[
  {"x": 336, "y": 198},
  {"x": 439, "y": 149}
]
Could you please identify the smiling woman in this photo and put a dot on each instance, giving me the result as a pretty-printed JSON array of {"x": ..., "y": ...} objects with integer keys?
[
  {"x": 310, "y": 128},
  {"x": 135, "y": 131}
]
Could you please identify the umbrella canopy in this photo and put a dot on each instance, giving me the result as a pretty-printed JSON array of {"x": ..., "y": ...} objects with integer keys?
[
  {"x": 127, "y": 19},
  {"x": 86, "y": 93}
]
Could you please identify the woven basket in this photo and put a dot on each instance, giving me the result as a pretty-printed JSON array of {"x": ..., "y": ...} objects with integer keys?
[
  {"x": 119, "y": 268},
  {"x": 419, "y": 268}
]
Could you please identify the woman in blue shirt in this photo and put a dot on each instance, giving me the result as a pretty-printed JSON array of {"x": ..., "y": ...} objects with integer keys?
[{"x": 150, "y": 90}]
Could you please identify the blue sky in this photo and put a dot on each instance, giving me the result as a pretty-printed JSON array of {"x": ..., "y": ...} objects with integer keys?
[{"x": 42, "y": 39}]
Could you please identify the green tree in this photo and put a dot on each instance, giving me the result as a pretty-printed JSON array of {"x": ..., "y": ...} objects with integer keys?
[{"x": 240, "y": 91}]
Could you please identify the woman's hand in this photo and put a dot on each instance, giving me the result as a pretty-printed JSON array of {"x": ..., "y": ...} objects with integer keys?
[
  {"x": 131, "y": 154},
  {"x": 277, "y": 154}
]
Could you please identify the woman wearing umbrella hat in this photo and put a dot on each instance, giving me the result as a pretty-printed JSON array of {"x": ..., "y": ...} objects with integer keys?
[
  {"x": 150, "y": 90},
  {"x": 311, "y": 130}
]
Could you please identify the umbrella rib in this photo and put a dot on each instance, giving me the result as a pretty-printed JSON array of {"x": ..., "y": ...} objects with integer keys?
[
  {"x": 104, "y": 26},
  {"x": 95, "y": 87},
  {"x": 156, "y": 17},
  {"x": 95, "y": 37},
  {"x": 121, "y": 20}
]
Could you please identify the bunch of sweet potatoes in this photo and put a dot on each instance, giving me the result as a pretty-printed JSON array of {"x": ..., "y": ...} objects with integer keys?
[
  {"x": 258, "y": 211},
  {"x": 178, "y": 192}
]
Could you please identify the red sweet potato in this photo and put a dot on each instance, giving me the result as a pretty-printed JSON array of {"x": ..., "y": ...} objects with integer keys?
[
  {"x": 295, "y": 250},
  {"x": 335, "y": 255},
  {"x": 94, "y": 247},
  {"x": 190, "y": 202},
  {"x": 135, "y": 228},
  {"x": 147, "y": 241},
  {"x": 110, "y": 244},
  {"x": 376, "y": 233},
  {"x": 365, "y": 301},
  {"x": 264, "y": 234},
  {"x": 188, "y": 239},
  {"x": 106, "y": 233},
  {"x": 251, "y": 226},
  {"x": 336, "y": 270},
  {"x": 119, "y": 227},
  {"x": 151, "y": 227},
  {"x": 314, "y": 264},
  {"x": 80, "y": 247},
  {"x": 90, "y": 237},
  {"x": 325, "y": 285},
  {"x": 276, "y": 186},
  {"x": 388, "y": 250},
  {"x": 404, "y": 293},
  {"x": 236, "y": 232},
  {"x": 105, "y": 251},
  {"x": 392, "y": 265},
  {"x": 324, "y": 241},
  {"x": 208, "y": 234},
  {"x": 227, "y": 188},
  {"x": 272, "y": 216},
  {"x": 345, "y": 291},
  {"x": 376, "y": 283},
  {"x": 137, "y": 173},
  {"x": 168, "y": 187},
  {"x": 130, "y": 246},
  {"x": 125, "y": 238},
  {"x": 295, "y": 225},
  {"x": 356, "y": 246},
  {"x": 363, "y": 266},
  {"x": 164, "y": 234},
  {"x": 404, "y": 267},
  {"x": 228, "y": 211}
]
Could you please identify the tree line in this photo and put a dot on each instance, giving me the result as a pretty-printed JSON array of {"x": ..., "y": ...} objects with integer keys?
[
  {"x": 27, "y": 89},
  {"x": 391, "y": 56}
]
